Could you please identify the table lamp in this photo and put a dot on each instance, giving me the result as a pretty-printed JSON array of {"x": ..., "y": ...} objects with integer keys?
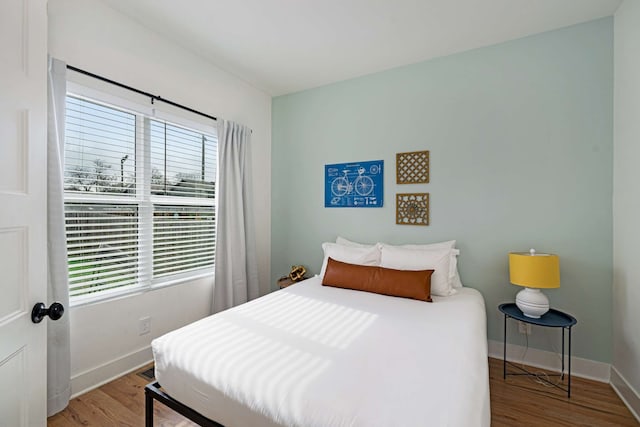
[{"x": 533, "y": 271}]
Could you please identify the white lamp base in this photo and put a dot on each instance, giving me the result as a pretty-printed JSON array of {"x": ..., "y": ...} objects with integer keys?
[{"x": 532, "y": 302}]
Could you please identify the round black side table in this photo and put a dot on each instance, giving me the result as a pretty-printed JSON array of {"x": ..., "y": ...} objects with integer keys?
[{"x": 551, "y": 319}]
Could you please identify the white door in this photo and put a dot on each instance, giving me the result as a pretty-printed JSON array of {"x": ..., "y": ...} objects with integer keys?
[{"x": 23, "y": 253}]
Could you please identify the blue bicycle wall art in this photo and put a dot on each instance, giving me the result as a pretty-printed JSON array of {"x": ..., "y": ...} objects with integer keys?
[{"x": 354, "y": 185}]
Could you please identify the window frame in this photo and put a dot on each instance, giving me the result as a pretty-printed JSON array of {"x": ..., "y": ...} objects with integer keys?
[{"x": 97, "y": 92}]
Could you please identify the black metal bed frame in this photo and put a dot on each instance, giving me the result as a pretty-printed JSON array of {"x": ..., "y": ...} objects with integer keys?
[{"x": 152, "y": 391}]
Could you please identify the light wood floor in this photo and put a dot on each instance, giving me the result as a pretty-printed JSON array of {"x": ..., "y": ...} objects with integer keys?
[{"x": 519, "y": 401}]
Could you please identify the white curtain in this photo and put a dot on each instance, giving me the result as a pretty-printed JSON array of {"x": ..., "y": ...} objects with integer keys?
[
  {"x": 236, "y": 272},
  {"x": 58, "y": 346}
]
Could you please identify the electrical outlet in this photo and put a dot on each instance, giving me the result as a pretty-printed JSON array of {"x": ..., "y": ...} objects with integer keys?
[
  {"x": 524, "y": 328},
  {"x": 144, "y": 325}
]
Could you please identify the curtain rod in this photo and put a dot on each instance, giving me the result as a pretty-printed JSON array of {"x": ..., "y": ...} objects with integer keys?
[{"x": 141, "y": 92}]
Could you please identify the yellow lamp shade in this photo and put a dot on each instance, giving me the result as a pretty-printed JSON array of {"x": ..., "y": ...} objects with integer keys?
[{"x": 534, "y": 270}]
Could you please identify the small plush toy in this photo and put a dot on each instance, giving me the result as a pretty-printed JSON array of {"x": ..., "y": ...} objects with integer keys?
[{"x": 297, "y": 273}]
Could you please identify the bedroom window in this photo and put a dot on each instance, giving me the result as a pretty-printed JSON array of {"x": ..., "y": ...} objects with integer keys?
[{"x": 139, "y": 199}]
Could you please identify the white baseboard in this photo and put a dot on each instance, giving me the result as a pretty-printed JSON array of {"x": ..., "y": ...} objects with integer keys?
[
  {"x": 100, "y": 375},
  {"x": 583, "y": 368},
  {"x": 629, "y": 396}
]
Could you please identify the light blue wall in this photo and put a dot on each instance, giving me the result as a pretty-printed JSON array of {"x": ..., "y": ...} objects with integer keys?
[
  {"x": 520, "y": 137},
  {"x": 626, "y": 204}
]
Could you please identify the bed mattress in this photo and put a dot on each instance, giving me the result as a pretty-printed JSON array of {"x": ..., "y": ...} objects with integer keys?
[{"x": 310, "y": 355}]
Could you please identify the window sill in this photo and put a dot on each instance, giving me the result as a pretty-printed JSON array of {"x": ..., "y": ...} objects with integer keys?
[
  {"x": 176, "y": 280},
  {"x": 115, "y": 294}
]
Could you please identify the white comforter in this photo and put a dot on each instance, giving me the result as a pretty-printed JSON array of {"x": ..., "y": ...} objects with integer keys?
[{"x": 310, "y": 355}]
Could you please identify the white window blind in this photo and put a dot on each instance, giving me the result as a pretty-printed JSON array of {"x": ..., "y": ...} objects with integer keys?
[
  {"x": 100, "y": 145},
  {"x": 183, "y": 238},
  {"x": 139, "y": 199},
  {"x": 183, "y": 161},
  {"x": 102, "y": 245}
]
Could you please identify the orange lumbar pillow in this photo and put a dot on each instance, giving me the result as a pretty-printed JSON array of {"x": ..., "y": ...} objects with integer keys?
[{"x": 379, "y": 280}]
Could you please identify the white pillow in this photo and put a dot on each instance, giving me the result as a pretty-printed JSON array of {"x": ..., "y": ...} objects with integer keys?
[
  {"x": 438, "y": 260},
  {"x": 352, "y": 255},
  {"x": 449, "y": 244},
  {"x": 454, "y": 276},
  {"x": 345, "y": 242}
]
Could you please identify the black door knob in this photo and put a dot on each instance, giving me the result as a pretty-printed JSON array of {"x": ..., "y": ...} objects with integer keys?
[{"x": 40, "y": 311}]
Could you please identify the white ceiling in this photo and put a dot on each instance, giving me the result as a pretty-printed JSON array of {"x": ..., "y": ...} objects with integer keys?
[{"x": 283, "y": 46}]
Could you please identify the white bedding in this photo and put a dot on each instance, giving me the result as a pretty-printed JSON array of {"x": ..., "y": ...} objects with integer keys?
[{"x": 310, "y": 355}]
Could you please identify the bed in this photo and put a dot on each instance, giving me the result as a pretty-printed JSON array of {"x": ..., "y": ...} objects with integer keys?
[{"x": 311, "y": 355}]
